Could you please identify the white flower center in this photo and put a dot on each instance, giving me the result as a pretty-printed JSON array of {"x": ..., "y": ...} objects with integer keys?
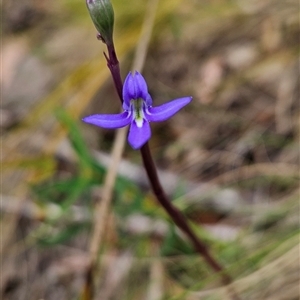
[{"x": 137, "y": 107}]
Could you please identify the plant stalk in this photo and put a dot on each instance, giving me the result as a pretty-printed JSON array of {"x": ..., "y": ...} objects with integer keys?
[
  {"x": 113, "y": 65},
  {"x": 175, "y": 214}
]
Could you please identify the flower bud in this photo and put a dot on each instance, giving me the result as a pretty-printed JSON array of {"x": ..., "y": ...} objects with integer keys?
[{"x": 102, "y": 14}]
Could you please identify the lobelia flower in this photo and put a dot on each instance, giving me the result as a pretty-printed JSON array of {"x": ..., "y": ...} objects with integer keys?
[{"x": 138, "y": 111}]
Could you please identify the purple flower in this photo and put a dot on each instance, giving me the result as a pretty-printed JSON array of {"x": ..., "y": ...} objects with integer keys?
[{"x": 138, "y": 111}]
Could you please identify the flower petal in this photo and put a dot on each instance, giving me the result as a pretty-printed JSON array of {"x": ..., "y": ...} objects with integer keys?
[
  {"x": 128, "y": 91},
  {"x": 138, "y": 136},
  {"x": 148, "y": 100},
  {"x": 166, "y": 110},
  {"x": 109, "y": 121},
  {"x": 141, "y": 88},
  {"x": 135, "y": 87}
]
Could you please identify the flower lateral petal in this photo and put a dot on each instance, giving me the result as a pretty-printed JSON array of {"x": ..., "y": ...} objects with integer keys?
[
  {"x": 166, "y": 110},
  {"x": 148, "y": 100},
  {"x": 109, "y": 121},
  {"x": 138, "y": 136},
  {"x": 128, "y": 91}
]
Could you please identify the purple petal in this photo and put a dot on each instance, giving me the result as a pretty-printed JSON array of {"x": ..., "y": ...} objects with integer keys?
[
  {"x": 135, "y": 87},
  {"x": 141, "y": 88},
  {"x": 128, "y": 91},
  {"x": 109, "y": 121},
  {"x": 167, "y": 110},
  {"x": 148, "y": 100},
  {"x": 138, "y": 136}
]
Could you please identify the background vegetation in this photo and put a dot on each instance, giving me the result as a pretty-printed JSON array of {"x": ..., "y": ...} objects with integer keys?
[{"x": 230, "y": 160}]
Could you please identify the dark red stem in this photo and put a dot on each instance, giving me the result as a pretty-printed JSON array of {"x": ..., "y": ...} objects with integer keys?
[
  {"x": 176, "y": 214},
  {"x": 113, "y": 65},
  {"x": 173, "y": 212}
]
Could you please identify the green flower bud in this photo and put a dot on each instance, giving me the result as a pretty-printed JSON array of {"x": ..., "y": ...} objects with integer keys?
[{"x": 102, "y": 15}]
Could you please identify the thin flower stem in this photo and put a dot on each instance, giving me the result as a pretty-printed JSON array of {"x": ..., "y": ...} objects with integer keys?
[
  {"x": 173, "y": 212},
  {"x": 181, "y": 221},
  {"x": 113, "y": 65}
]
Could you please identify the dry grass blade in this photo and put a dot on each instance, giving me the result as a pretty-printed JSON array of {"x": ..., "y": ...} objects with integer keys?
[{"x": 155, "y": 289}]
